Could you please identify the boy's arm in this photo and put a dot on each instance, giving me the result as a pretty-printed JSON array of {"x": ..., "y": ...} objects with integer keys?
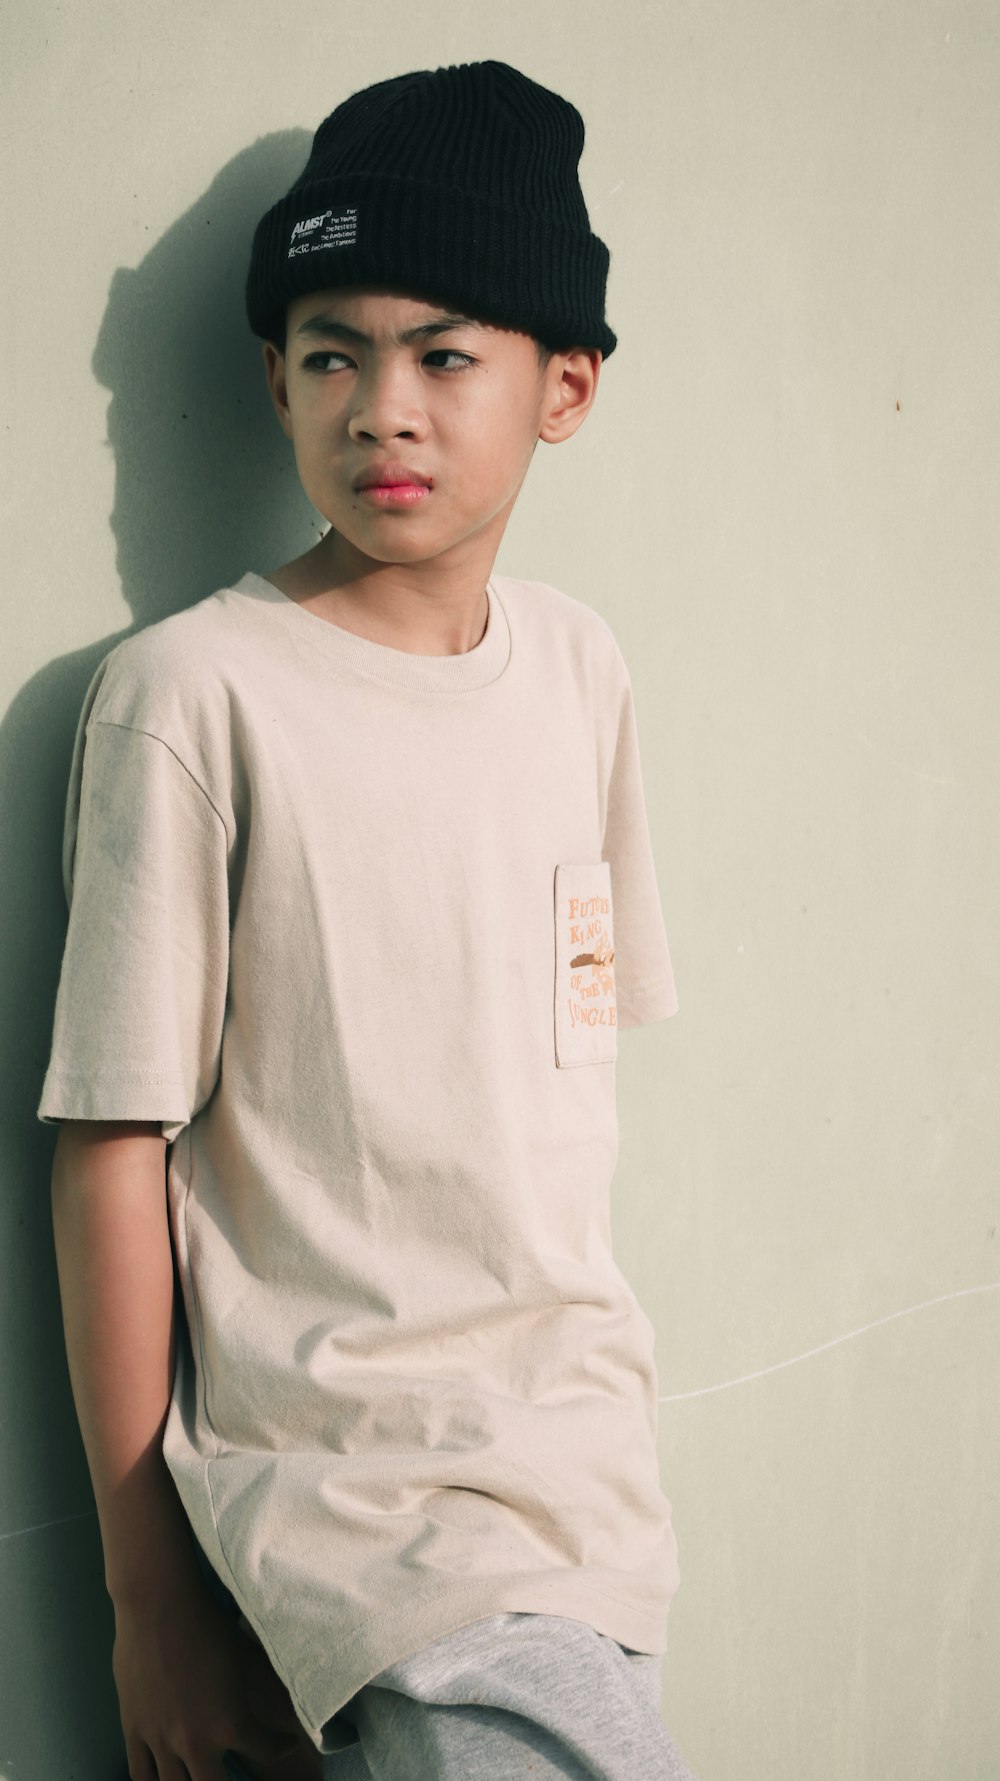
[
  {"x": 190, "y": 1683},
  {"x": 116, "y": 1282}
]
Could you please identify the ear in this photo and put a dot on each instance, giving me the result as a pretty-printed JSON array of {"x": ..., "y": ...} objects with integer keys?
[
  {"x": 570, "y": 388},
  {"x": 274, "y": 371}
]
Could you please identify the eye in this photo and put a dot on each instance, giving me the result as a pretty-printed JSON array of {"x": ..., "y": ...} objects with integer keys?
[
  {"x": 446, "y": 352},
  {"x": 322, "y": 362},
  {"x": 319, "y": 361}
]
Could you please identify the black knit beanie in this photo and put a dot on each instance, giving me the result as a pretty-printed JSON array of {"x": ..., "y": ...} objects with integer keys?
[{"x": 460, "y": 184}]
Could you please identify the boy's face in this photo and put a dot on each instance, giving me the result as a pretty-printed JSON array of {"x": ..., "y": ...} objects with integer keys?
[{"x": 461, "y": 403}]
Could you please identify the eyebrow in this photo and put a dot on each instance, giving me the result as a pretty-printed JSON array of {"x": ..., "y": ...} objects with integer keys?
[{"x": 327, "y": 325}]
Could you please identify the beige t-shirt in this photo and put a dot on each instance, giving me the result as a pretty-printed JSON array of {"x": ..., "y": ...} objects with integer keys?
[{"x": 361, "y": 927}]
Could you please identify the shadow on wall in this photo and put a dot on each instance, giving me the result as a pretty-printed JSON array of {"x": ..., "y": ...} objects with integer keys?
[{"x": 205, "y": 488}]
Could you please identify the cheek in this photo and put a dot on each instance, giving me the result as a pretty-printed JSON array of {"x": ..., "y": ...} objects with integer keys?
[
  {"x": 316, "y": 474},
  {"x": 313, "y": 441}
]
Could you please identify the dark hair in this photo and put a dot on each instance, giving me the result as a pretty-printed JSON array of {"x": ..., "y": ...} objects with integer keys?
[{"x": 278, "y": 337}]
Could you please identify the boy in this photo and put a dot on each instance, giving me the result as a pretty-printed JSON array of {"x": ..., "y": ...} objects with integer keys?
[{"x": 361, "y": 891}]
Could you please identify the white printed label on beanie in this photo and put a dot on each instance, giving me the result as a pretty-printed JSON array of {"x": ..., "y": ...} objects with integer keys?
[
  {"x": 586, "y": 1004},
  {"x": 331, "y": 228}
]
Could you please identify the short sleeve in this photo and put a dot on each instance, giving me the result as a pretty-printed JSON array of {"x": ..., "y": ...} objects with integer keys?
[
  {"x": 644, "y": 978},
  {"x": 137, "y": 1030}
]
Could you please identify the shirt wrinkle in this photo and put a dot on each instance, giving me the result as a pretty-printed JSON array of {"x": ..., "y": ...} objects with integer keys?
[{"x": 111, "y": 723}]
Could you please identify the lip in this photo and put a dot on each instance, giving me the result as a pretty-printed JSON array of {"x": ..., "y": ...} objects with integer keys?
[
  {"x": 396, "y": 475},
  {"x": 396, "y": 494}
]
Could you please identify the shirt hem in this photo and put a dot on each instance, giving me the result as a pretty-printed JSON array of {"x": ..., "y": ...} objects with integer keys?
[{"x": 330, "y": 1684}]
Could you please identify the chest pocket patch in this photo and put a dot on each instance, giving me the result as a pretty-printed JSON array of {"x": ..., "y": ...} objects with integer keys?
[{"x": 586, "y": 1009}]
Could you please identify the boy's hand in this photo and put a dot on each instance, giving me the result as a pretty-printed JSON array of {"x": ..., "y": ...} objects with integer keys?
[{"x": 192, "y": 1685}]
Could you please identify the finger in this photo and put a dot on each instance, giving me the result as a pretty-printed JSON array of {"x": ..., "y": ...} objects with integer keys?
[
  {"x": 139, "y": 1757},
  {"x": 170, "y": 1768}
]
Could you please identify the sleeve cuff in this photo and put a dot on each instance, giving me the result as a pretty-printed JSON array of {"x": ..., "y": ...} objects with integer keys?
[
  {"x": 111, "y": 1097},
  {"x": 643, "y": 1003}
]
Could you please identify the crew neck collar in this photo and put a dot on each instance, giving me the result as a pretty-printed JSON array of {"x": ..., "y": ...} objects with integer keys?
[{"x": 398, "y": 667}]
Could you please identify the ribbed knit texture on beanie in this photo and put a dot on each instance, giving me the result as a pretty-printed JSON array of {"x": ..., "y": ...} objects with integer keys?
[{"x": 460, "y": 184}]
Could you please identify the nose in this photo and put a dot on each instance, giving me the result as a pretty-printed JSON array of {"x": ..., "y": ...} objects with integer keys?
[{"x": 387, "y": 403}]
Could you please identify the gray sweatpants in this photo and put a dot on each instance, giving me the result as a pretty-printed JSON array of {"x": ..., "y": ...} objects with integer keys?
[{"x": 515, "y": 1694}]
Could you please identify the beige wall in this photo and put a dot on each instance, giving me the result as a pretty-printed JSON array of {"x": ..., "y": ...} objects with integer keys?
[{"x": 785, "y": 503}]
